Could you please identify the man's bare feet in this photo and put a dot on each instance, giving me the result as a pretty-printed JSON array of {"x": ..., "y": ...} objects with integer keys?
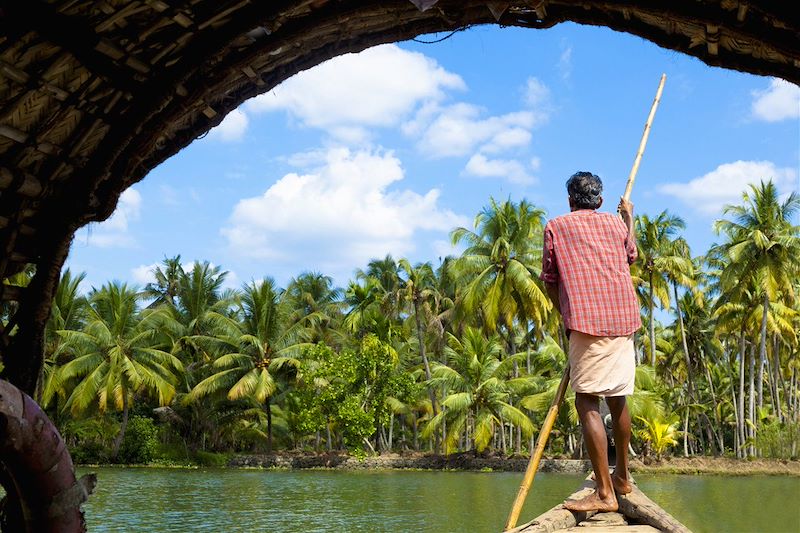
[
  {"x": 621, "y": 486},
  {"x": 593, "y": 502}
]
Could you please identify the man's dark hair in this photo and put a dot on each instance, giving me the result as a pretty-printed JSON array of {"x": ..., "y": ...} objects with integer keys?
[{"x": 585, "y": 189}]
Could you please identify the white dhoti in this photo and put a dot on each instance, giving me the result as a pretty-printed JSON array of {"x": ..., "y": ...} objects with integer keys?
[{"x": 603, "y": 366}]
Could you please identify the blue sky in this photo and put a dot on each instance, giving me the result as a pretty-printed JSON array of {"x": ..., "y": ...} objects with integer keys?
[{"x": 388, "y": 150}]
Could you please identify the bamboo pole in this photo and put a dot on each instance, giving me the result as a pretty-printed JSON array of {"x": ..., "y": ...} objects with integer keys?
[
  {"x": 536, "y": 456},
  {"x": 643, "y": 142}
]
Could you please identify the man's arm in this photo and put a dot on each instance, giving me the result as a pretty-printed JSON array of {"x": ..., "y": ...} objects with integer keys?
[
  {"x": 549, "y": 269},
  {"x": 552, "y": 292},
  {"x": 625, "y": 209}
]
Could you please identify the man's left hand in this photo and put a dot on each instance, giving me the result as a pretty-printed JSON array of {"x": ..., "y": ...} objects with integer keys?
[{"x": 625, "y": 209}]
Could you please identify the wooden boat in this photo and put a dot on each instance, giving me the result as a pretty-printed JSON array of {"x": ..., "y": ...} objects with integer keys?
[{"x": 637, "y": 514}]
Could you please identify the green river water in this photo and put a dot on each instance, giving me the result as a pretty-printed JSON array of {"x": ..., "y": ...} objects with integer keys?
[{"x": 229, "y": 500}]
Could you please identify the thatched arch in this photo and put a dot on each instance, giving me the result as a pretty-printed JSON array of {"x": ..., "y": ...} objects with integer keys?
[{"x": 95, "y": 94}]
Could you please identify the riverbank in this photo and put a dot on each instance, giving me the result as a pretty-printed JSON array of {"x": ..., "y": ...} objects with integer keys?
[
  {"x": 470, "y": 462},
  {"x": 718, "y": 466}
]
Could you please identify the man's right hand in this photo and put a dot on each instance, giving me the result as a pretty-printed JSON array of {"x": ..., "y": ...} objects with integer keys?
[{"x": 625, "y": 209}]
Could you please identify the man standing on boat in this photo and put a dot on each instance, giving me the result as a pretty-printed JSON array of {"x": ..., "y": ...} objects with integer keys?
[{"x": 585, "y": 268}]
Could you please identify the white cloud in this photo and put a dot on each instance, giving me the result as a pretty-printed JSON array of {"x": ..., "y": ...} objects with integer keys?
[
  {"x": 507, "y": 140},
  {"x": 458, "y": 129},
  {"x": 113, "y": 233},
  {"x": 338, "y": 215},
  {"x": 143, "y": 274},
  {"x": 565, "y": 63},
  {"x": 725, "y": 184},
  {"x": 509, "y": 169},
  {"x": 378, "y": 87},
  {"x": 537, "y": 95},
  {"x": 780, "y": 101},
  {"x": 232, "y": 128}
]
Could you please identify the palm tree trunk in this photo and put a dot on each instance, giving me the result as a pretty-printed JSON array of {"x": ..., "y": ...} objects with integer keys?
[
  {"x": 770, "y": 377},
  {"x": 687, "y": 360},
  {"x": 40, "y": 385},
  {"x": 652, "y": 326},
  {"x": 718, "y": 433},
  {"x": 751, "y": 406},
  {"x": 512, "y": 346},
  {"x": 736, "y": 441},
  {"x": 742, "y": 356},
  {"x": 421, "y": 338},
  {"x": 686, "y": 433},
  {"x": 122, "y": 427},
  {"x": 269, "y": 425},
  {"x": 790, "y": 398},
  {"x": 778, "y": 380},
  {"x": 762, "y": 351},
  {"x": 444, "y": 422},
  {"x": 527, "y": 347},
  {"x": 328, "y": 435}
]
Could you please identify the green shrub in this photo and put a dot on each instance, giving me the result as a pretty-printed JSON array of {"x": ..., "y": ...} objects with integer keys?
[
  {"x": 202, "y": 458},
  {"x": 89, "y": 452},
  {"x": 172, "y": 454},
  {"x": 779, "y": 441},
  {"x": 141, "y": 441}
]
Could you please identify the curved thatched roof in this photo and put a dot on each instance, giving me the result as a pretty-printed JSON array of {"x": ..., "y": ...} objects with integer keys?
[{"x": 94, "y": 94}]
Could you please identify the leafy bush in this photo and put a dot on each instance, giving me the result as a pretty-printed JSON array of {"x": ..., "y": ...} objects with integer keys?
[
  {"x": 140, "y": 444},
  {"x": 89, "y": 440},
  {"x": 660, "y": 434},
  {"x": 90, "y": 452},
  {"x": 779, "y": 441},
  {"x": 202, "y": 458}
]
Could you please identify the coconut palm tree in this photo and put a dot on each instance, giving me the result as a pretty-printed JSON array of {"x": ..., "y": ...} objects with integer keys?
[
  {"x": 362, "y": 300},
  {"x": 417, "y": 286},
  {"x": 657, "y": 255},
  {"x": 498, "y": 268},
  {"x": 256, "y": 352},
  {"x": 165, "y": 287},
  {"x": 68, "y": 312},
  {"x": 313, "y": 301},
  {"x": 479, "y": 390},
  {"x": 386, "y": 275},
  {"x": 118, "y": 353},
  {"x": 762, "y": 246}
]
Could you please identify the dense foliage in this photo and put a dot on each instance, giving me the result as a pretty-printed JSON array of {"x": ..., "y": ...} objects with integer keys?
[{"x": 464, "y": 355}]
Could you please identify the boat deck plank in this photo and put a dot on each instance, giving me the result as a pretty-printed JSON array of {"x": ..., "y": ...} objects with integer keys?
[
  {"x": 637, "y": 514},
  {"x": 610, "y": 523}
]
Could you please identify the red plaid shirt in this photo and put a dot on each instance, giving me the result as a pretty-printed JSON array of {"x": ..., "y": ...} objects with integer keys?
[{"x": 588, "y": 255}]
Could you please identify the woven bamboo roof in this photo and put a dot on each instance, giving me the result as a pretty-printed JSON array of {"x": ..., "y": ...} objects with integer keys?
[{"x": 95, "y": 94}]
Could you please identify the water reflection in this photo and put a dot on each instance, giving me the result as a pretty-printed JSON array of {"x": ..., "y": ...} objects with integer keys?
[{"x": 132, "y": 499}]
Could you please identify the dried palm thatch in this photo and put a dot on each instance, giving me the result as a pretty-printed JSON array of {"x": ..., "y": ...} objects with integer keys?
[{"x": 96, "y": 93}]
